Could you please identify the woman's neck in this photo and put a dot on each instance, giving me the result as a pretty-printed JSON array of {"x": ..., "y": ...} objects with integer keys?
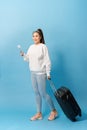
[{"x": 37, "y": 43}]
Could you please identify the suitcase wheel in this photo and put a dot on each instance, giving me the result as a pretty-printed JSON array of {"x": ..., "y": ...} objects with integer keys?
[{"x": 73, "y": 119}]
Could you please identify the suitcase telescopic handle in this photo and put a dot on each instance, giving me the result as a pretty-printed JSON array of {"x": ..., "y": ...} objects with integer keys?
[{"x": 52, "y": 86}]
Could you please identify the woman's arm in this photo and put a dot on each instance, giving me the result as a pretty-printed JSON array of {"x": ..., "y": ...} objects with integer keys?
[
  {"x": 47, "y": 62},
  {"x": 25, "y": 56}
]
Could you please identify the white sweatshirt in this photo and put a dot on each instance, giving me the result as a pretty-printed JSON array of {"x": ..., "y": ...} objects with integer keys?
[{"x": 38, "y": 58}]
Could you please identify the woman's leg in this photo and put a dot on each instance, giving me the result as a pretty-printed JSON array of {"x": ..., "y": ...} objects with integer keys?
[
  {"x": 37, "y": 94},
  {"x": 41, "y": 80}
]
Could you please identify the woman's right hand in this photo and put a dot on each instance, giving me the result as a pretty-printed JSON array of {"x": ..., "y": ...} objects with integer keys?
[{"x": 21, "y": 53}]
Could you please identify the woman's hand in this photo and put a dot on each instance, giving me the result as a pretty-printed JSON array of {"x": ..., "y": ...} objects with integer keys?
[
  {"x": 49, "y": 77},
  {"x": 21, "y": 53}
]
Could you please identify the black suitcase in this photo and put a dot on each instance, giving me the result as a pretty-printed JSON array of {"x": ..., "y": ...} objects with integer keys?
[{"x": 67, "y": 101}]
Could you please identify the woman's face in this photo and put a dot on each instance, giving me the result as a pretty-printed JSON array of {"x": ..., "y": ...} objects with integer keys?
[{"x": 36, "y": 37}]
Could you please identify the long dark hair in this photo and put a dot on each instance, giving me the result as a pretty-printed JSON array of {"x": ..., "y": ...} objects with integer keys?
[{"x": 40, "y": 32}]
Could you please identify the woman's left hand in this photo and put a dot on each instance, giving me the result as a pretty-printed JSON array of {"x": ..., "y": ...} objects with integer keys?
[{"x": 48, "y": 77}]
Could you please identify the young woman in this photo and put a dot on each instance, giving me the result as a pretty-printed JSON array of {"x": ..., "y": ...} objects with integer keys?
[{"x": 40, "y": 67}]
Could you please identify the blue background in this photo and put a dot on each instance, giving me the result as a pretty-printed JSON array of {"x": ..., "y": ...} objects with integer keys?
[{"x": 64, "y": 23}]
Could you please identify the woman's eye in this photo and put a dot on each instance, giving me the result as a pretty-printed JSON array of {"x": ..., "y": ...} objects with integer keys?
[{"x": 35, "y": 36}]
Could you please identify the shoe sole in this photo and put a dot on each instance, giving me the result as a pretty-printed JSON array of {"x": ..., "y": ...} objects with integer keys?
[{"x": 40, "y": 118}]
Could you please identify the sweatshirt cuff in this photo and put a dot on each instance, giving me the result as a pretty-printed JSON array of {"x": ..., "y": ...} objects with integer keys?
[{"x": 48, "y": 73}]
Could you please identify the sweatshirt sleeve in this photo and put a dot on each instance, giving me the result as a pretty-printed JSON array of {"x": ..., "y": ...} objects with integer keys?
[
  {"x": 26, "y": 56},
  {"x": 47, "y": 61}
]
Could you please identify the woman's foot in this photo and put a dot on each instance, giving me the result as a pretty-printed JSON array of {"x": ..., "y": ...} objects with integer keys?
[
  {"x": 53, "y": 115},
  {"x": 38, "y": 116}
]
